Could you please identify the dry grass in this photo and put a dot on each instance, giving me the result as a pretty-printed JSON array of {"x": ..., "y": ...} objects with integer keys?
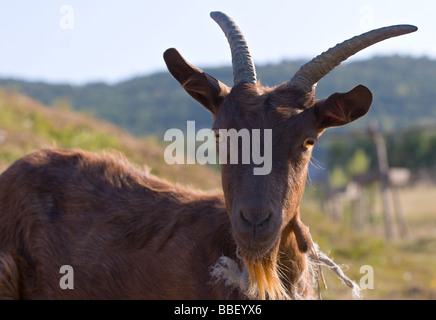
[
  {"x": 419, "y": 205},
  {"x": 404, "y": 268}
]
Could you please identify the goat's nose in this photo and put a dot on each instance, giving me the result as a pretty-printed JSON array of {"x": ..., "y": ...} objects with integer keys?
[
  {"x": 256, "y": 224},
  {"x": 256, "y": 218}
]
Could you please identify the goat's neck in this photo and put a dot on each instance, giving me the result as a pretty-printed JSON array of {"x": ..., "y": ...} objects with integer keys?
[{"x": 292, "y": 262}]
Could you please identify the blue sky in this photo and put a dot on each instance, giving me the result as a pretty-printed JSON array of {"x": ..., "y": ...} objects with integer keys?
[{"x": 115, "y": 40}]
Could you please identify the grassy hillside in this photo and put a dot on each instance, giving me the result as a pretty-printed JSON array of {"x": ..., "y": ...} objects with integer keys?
[
  {"x": 26, "y": 125},
  {"x": 404, "y": 269}
]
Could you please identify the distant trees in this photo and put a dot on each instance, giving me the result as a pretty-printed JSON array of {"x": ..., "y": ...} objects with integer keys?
[
  {"x": 403, "y": 90},
  {"x": 346, "y": 156}
]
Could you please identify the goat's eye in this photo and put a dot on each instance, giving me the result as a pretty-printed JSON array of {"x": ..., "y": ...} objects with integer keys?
[
  {"x": 309, "y": 143},
  {"x": 219, "y": 137}
]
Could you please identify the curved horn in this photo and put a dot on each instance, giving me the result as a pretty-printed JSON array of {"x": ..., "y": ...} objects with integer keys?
[
  {"x": 243, "y": 66},
  {"x": 309, "y": 74}
]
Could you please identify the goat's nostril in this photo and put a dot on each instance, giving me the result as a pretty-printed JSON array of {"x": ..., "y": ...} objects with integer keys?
[
  {"x": 245, "y": 219},
  {"x": 265, "y": 221},
  {"x": 255, "y": 219}
]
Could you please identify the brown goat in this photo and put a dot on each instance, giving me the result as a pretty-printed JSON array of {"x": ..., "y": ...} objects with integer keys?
[{"x": 127, "y": 234}]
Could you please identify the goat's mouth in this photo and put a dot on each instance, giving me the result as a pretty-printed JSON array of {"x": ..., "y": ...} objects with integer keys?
[
  {"x": 254, "y": 236},
  {"x": 253, "y": 250}
]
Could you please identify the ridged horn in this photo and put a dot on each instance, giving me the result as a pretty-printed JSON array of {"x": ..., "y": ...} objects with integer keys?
[
  {"x": 243, "y": 66},
  {"x": 309, "y": 74}
]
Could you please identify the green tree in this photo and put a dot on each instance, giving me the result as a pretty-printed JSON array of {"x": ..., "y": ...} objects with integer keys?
[
  {"x": 359, "y": 163},
  {"x": 338, "y": 178}
]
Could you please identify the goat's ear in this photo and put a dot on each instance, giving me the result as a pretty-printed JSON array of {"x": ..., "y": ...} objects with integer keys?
[
  {"x": 342, "y": 108},
  {"x": 204, "y": 88}
]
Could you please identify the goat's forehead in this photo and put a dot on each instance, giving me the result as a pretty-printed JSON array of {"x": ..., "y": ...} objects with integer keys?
[{"x": 260, "y": 108}]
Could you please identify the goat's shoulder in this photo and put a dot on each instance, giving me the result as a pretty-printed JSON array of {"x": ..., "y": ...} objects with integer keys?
[
  {"x": 53, "y": 169},
  {"x": 52, "y": 165},
  {"x": 68, "y": 159},
  {"x": 102, "y": 187}
]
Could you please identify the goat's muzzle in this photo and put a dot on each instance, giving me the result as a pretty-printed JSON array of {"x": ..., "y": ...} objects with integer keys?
[{"x": 256, "y": 227}]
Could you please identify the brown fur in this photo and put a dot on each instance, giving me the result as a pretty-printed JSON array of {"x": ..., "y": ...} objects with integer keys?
[
  {"x": 9, "y": 277},
  {"x": 125, "y": 233}
]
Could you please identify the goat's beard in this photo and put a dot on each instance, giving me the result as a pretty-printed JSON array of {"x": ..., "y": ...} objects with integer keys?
[
  {"x": 263, "y": 276},
  {"x": 260, "y": 277}
]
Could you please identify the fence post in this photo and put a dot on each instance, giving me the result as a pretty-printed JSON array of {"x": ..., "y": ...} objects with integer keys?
[{"x": 383, "y": 166}]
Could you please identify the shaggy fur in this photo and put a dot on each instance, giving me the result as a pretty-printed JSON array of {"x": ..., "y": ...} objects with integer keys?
[
  {"x": 126, "y": 234},
  {"x": 9, "y": 278}
]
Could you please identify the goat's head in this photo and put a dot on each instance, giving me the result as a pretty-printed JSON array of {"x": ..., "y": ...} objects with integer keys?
[{"x": 262, "y": 206}]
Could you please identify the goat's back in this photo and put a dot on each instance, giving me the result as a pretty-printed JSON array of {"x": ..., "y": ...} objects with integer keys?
[{"x": 125, "y": 233}]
